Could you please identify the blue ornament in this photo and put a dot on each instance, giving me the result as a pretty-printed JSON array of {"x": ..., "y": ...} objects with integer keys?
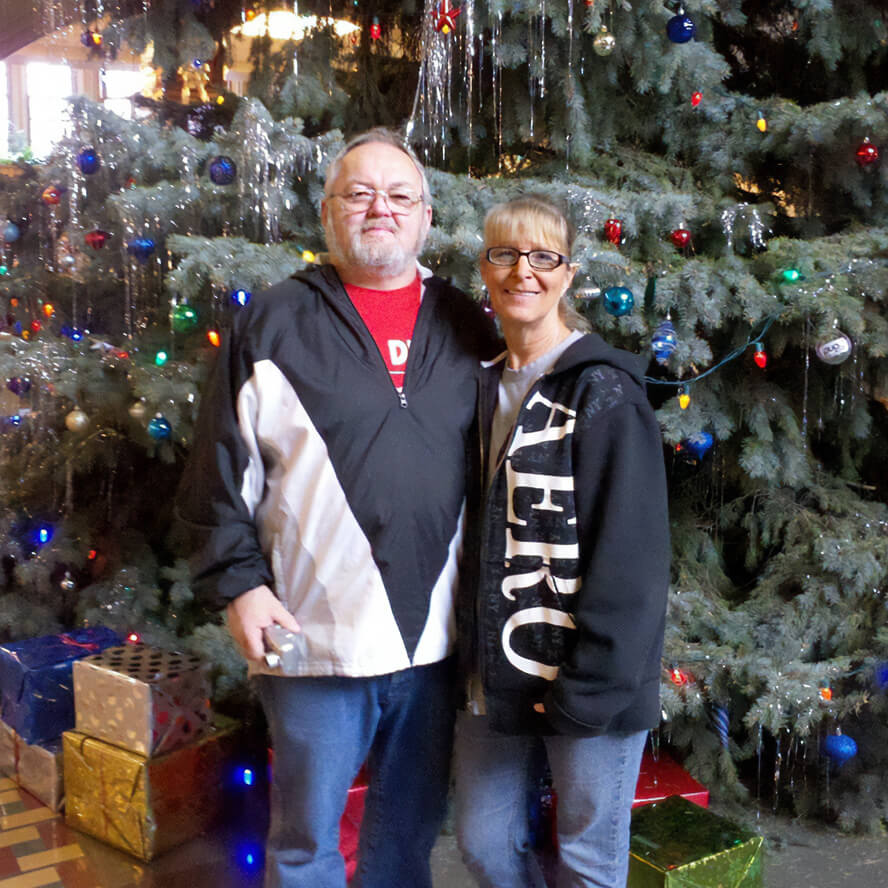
[
  {"x": 159, "y": 428},
  {"x": 681, "y": 28},
  {"x": 839, "y": 748},
  {"x": 618, "y": 301},
  {"x": 882, "y": 676},
  {"x": 223, "y": 170},
  {"x": 41, "y": 534},
  {"x": 699, "y": 444},
  {"x": 241, "y": 297},
  {"x": 141, "y": 247},
  {"x": 664, "y": 341},
  {"x": 88, "y": 161},
  {"x": 11, "y": 233}
]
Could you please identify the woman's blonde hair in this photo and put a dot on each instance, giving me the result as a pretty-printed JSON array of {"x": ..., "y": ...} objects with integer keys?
[{"x": 538, "y": 220}]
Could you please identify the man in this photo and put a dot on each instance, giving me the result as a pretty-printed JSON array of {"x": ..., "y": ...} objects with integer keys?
[{"x": 327, "y": 483}]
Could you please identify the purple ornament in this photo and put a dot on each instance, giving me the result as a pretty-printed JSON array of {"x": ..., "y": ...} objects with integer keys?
[
  {"x": 19, "y": 385},
  {"x": 223, "y": 170}
]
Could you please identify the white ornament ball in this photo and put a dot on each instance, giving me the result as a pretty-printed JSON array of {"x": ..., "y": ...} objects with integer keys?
[
  {"x": 76, "y": 420},
  {"x": 835, "y": 349}
]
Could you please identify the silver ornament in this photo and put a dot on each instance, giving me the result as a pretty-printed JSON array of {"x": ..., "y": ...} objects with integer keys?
[
  {"x": 835, "y": 349},
  {"x": 76, "y": 420},
  {"x": 605, "y": 42},
  {"x": 67, "y": 583}
]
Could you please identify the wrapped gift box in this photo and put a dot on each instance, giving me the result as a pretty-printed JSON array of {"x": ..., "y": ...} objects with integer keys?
[
  {"x": 350, "y": 824},
  {"x": 147, "y": 805},
  {"x": 145, "y": 699},
  {"x": 36, "y": 697},
  {"x": 35, "y": 767},
  {"x": 677, "y": 844},
  {"x": 662, "y": 777}
]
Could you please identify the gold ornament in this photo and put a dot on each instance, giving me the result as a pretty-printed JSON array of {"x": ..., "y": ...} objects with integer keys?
[{"x": 605, "y": 42}]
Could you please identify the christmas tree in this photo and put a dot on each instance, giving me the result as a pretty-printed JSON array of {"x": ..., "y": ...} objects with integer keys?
[{"x": 721, "y": 161}]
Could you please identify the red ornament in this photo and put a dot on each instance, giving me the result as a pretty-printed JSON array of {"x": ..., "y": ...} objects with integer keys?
[
  {"x": 681, "y": 237},
  {"x": 679, "y": 677},
  {"x": 760, "y": 358},
  {"x": 589, "y": 3},
  {"x": 96, "y": 238},
  {"x": 375, "y": 29},
  {"x": 867, "y": 153},
  {"x": 445, "y": 16},
  {"x": 52, "y": 195},
  {"x": 36, "y": 326},
  {"x": 696, "y": 98},
  {"x": 613, "y": 231}
]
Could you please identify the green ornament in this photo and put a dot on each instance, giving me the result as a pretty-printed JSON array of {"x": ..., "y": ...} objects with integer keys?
[
  {"x": 791, "y": 275},
  {"x": 184, "y": 318},
  {"x": 4, "y": 270}
]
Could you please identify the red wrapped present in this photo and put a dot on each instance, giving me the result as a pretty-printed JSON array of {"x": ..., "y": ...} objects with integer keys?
[
  {"x": 350, "y": 824},
  {"x": 662, "y": 777}
]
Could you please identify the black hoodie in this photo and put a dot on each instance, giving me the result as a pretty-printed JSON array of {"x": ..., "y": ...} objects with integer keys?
[{"x": 574, "y": 552}]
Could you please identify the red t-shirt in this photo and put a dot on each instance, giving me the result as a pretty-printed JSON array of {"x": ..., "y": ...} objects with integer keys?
[{"x": 390, "y": 316}]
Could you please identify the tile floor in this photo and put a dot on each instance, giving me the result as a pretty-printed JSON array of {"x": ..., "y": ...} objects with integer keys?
[{"x": 37, "y": 850}]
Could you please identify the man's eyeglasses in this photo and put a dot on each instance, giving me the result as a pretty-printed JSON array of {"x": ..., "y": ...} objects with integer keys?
[
  {"x": 400, "y": 200},
  {"x": 542, "y": 260}
]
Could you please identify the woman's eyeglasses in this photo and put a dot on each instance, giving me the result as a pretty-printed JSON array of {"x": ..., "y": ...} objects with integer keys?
[{"x": 542, "y": 260}]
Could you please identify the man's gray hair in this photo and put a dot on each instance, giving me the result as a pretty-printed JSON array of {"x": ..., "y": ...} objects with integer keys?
[{"x": 384, "y": 136}]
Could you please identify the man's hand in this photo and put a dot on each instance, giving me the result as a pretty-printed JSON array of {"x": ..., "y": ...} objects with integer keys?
[{"x": 252, "y": 612}]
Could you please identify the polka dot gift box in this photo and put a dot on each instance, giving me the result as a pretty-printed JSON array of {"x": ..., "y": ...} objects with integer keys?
[{"x": 145, "y": 699}]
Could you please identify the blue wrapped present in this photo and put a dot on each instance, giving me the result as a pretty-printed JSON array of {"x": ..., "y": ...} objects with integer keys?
[{"x": 36, "y": 687}]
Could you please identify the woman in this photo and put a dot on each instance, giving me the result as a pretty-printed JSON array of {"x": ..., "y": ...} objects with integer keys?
[{"x": 564, "y": 636}]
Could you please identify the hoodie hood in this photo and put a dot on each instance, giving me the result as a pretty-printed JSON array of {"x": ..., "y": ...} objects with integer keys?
[{"x": 592, "y": 349}]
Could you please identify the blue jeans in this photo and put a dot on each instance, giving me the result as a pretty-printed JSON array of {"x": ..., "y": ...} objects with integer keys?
[
  {"x": 322, "y": 731},
  {"x": 594, "y": 778}
]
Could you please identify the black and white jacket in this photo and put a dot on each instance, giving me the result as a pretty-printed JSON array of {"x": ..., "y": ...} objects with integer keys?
[
  {"x": 574, "y": 552},
  {"x": 311, "y": 474}
]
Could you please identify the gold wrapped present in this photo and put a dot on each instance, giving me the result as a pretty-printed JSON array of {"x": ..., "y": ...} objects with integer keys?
[
  {"x": 35, "y": 767},
  {"x": 145, "y": 699},
  {"x": 147, "y": 805},
  {"x": 677, "y": 844}
]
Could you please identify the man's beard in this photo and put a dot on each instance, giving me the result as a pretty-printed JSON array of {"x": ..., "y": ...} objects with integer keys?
[{"x": 387, "y": 256}]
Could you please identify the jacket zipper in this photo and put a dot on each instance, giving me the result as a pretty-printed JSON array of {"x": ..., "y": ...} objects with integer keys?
[{"x": 402, "y": 395}]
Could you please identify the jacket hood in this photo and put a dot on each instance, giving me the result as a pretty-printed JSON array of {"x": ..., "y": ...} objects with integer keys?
[{"x": 591, "y": 350}]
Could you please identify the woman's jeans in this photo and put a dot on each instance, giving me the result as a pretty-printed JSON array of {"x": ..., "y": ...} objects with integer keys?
[
  {"x": 594, "y": 779},
  {"x": 322, "y": 731}
]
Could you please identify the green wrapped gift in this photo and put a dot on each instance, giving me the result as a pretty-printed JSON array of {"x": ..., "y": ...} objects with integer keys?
[{"x": 677, "y": 844}]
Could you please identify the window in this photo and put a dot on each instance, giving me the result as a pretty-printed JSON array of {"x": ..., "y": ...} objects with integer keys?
[
  {"x": 118, "y": 85},
  {"x": 4, "y": 111},
  {"x": 49, "y": 87}
]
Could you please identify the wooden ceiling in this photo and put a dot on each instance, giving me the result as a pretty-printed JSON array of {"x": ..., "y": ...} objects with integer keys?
[{"x": 19, "y": 26}]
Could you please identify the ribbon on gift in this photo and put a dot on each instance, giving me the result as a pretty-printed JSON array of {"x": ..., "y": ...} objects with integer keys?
[{"x": 65, "y": 638}]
